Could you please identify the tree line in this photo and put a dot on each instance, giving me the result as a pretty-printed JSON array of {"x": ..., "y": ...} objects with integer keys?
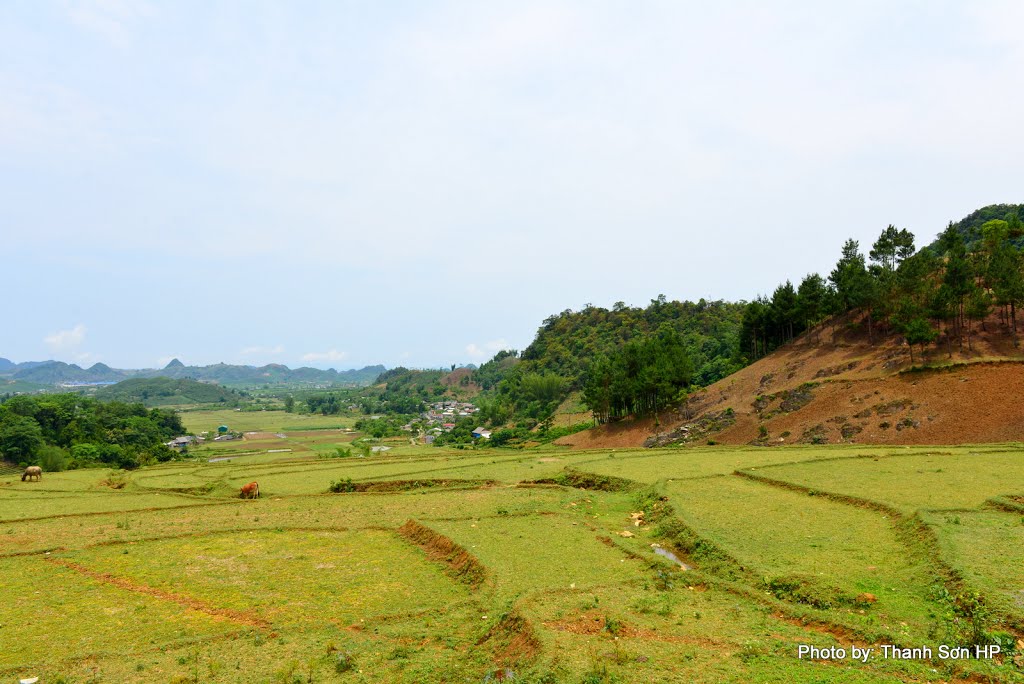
[
  {"x": 641, "y": 378},
  {"x": 61, "y": 431}
]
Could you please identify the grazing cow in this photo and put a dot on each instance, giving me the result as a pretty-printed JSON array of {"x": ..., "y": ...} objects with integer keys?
[
  {"x": 250, "y": 491},
  {"x": 32, "y": 471}
]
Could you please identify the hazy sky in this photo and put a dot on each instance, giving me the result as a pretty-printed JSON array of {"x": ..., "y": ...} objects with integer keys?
[{"x": 422, "y": 183}]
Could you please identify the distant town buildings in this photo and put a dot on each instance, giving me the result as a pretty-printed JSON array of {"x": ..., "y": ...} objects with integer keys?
[{"x": 441, "y": 416}]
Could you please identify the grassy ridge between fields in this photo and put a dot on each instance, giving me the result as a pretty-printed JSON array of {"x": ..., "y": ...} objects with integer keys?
[{"x": 439, "y": 566}]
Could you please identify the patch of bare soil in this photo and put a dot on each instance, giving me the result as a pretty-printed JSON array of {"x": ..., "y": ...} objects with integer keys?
[
  {"x": 333, "y": 433},
  {"x": 261, "y": 436},
  {"x": 460, "y": 564},
  {"x": 460, "y": 378},
  {"x": 513, "y": 640},
  {"x": 593, "y": 623},
  {"x": 625, "y": 434},
  {"x": 570, "y": 419},
  {"x": 408, "y": 485},
  {"x": 967, "y": 404}
]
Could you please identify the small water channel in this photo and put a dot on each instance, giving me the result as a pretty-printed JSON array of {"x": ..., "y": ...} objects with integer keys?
[{"x": 671, "y": 556}]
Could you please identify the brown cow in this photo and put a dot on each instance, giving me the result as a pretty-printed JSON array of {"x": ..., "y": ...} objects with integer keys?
[
  {"x": 32, "y": 471},
  {"x": 250, "y": 491}
]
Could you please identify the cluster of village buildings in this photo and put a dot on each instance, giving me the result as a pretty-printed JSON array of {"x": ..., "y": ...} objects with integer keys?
[
  {"x": 442, "y": 415},
  {"x": 185, "y": 441}
]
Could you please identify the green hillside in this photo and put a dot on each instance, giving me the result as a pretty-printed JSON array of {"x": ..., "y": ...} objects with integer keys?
[
  {"x": 970, "y": 226},
  {"x": 575, "y": 348},
  {"x": 569, "y": 343},
  {"x": 168, "y": 392}
]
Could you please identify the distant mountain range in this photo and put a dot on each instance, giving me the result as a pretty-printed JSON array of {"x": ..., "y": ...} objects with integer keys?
[{"x": 60, "y": 373}]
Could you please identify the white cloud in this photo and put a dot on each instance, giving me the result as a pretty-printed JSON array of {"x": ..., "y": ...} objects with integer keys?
[
  {"x": 487, "y": 349},
  {"x": 66, "y": 343},
  {"x": 108, "y": 19},
  {"x": 332, "y": 355},
  {"x": 262, "y": 351},
  {"x": 65, "y": 340}
]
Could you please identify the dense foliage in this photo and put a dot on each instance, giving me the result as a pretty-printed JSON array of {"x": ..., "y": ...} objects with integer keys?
[
  {"x": 626, "y": 360},
  {"x": 68, "y": 430},
  {"x": 326, "y": 403},
  {"x": 970, "y": 271},
  {"x": 570, "y": 342},
  {"x": 641, "y": 378},
  {"x": 381, "y": 426},
  {"x": 970, "y": 226}
]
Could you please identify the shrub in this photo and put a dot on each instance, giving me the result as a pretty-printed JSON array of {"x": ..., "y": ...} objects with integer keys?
[
  {"x": 343, "y": 486},
  {"x": 115, "y": 480},
  {"x": 84, "y": 455},
  {"x": 809, "y": 591},
  {"x": 53, "y": 459},
  {"x": 344, "y": 662},
  {"x": 599, "y": 674}
]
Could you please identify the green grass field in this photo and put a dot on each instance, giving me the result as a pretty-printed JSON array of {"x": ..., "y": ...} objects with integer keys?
[
  {"x": 962, "y": 477},
  {"x": 165, "y": 575},
  {"x": 261, "y": 421}
]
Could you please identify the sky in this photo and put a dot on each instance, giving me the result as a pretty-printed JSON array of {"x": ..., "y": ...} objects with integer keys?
[{"x": 342, "y": 184}]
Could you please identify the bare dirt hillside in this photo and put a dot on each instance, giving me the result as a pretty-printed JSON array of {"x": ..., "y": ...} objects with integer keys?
[{"x": 833, "y": 386}]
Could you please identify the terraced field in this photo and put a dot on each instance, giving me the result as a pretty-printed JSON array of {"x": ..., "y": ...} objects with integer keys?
[{"x": 541, "y": 565}]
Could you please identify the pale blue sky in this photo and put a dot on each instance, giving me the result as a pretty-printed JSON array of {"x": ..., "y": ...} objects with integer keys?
[{"x": 421, "y": 183}]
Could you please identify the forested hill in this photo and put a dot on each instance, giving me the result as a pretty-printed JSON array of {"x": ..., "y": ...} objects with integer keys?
[
  {"x": 620, "y": 360},
  {"x": 568, "y": 343},
  {"x": 970, "y": 227}
]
